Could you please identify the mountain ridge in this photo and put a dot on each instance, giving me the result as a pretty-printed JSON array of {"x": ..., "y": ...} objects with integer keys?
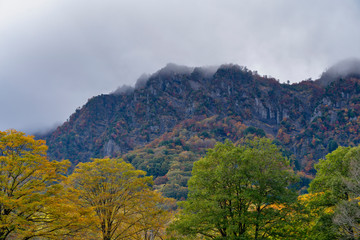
[{"x": 118, "y": 123}]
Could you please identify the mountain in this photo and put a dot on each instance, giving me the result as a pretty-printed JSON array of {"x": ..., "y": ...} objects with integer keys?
[
  {"x": 343, "y": 69},
  {"x": 171, "y": 117}
]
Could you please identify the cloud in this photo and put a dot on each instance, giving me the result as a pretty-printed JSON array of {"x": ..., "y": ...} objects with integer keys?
[
  {"x": 54, "y": 55},
  {"x": 142, "y": 80},
  {"x": 124, "y": 89},
  {"x": 346, "y": 68}
]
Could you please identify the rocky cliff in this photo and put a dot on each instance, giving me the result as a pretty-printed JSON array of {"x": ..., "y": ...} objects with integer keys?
[{"x": 307, "y": 118}]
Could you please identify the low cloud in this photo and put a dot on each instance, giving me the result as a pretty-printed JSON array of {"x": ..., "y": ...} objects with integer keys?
[
  {"x": 172, "y": 68},
  {"x": 54, "y": 55},
  {"x": 124, "y": 89},
  {"x": 207, "y": 71},
  {"x": 343, "y": 68},
  {"x": 142, "y": 80}
]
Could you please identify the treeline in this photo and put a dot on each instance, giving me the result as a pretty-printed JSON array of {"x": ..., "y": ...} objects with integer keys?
[
  {"x": 102, "y": 199},
  {"x": 244, "y": 191},
  {"x": 249, "y": 191}
]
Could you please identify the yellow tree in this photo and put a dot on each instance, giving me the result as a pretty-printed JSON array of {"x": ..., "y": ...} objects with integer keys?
[
  {"x": 32, "y": 199},
  {"x": 125, "y": 205}
]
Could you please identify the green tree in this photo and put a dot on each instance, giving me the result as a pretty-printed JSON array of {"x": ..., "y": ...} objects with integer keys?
[
  {"x": 124, "y": 203},
  {"x": 330, "y": 176},
  {"x": 337, "y": 184},
  {"x": 238, "y": 192},
  {"x": 332, "y": 145},
  {"x": 33, "y": 203}
]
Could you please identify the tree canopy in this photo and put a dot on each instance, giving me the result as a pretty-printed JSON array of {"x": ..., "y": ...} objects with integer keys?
[
  {"x": 238, "y": 192},
  {"x": 337, "y": 187},
  {"x": 33, "y": 202},
  {"x": 124, "y": 203}
]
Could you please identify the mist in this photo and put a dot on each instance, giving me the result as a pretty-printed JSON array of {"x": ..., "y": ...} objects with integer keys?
[
  {"x": 350, "y": 66},
  {"x": 55, "y": 55}
]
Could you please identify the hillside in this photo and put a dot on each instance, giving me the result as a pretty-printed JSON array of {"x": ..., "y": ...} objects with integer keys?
[{"x": 182, "y": 111}]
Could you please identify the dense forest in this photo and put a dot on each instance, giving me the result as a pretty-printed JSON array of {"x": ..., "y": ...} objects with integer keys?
[
  {"x": 247, "y": 190},
  {"x": 192, "y": 153},
  {"x": 102, "y": 199},
  {"x": 173, "y": 116}
]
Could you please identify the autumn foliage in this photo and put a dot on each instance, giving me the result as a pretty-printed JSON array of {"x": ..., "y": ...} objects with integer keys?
[
  {"x": 33, "y": 202},
  {"x": 106, "y": 198},
  {"x": 236, "y": 191},
  {"x": 124, "y": 204}
]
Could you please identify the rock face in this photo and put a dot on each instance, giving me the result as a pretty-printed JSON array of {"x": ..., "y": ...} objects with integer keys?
[{"x": 304, "y": 117}]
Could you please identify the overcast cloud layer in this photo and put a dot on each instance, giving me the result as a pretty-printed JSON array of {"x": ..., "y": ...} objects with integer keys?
[{"x": 55, "y": 54}]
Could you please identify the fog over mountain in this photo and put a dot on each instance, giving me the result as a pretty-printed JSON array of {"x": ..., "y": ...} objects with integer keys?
[
  {"x": 54, "y": 55},
  {"x": 342, "y": 69},
  {"x": 192, "y": 108}
]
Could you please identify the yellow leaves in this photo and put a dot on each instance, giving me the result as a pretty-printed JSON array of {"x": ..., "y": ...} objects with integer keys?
[
  {"x": 32, "y": 201},
  {"x": 13, "y": 142},
  {"x": 308, "y": 197},
  {"x": 37, "y": 200},
  {"x": 121, "y": 198},
  {"x": 277, "y": 207},
  {"x": 311, "y": 201}
]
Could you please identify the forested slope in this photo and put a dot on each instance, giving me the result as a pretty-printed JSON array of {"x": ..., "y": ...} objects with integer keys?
[{"x": 171, "y": 117}]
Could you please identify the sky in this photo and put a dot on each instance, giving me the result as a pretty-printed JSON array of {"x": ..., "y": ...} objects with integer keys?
[{"x": 56, "y": 54}]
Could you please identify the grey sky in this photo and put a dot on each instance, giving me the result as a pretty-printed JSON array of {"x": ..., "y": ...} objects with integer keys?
[{"x": 55, "y": 54}]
